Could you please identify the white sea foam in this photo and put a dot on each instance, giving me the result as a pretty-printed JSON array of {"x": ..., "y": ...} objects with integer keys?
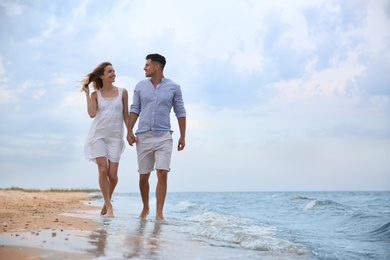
[
  {"x": 241, "y": 232},
  {"x": 310, "y": 205},
  {"x": 184, "y": 206},
  {"x": 217, "y": 219}
]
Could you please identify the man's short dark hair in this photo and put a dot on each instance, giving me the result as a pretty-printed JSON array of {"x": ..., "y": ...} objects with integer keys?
[{"x": 158, "y": 58}]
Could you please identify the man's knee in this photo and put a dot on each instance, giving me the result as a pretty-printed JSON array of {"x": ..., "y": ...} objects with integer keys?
[
  {"x": 144, "y": 178},
  {"x": 162, "y": 175}
]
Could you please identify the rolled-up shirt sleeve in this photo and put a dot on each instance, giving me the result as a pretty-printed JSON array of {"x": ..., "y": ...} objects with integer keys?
[
  {"x": 136, "y": 106},
  {"x": 178, "y": 104}
]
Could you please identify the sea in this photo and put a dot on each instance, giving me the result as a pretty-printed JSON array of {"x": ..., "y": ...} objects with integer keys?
[
  {"x": 247, "y": 225},
  {"x": 228, "y": 225}
]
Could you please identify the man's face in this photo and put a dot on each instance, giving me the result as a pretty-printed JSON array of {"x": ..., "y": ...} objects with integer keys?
[{"x": 150, "y": 68}]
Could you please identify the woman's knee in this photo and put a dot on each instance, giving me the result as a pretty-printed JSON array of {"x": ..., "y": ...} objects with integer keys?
[
  {"x": 103, "y": 172},
  {"x": 113, "y": 177}
]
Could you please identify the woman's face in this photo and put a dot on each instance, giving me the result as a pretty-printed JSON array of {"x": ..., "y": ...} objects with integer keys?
[{"x": 109, "y": 74}]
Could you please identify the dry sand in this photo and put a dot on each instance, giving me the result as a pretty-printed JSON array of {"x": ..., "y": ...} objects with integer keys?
[{"x": 35, "y": 212}]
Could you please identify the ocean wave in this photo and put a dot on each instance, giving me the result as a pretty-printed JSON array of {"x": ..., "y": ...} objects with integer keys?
[
  {"x": 324, "y": 204},
  {"x": 318, "y": 203},
  {"x": 383, "y": 231},
  {"x": 301, "y": 198}
]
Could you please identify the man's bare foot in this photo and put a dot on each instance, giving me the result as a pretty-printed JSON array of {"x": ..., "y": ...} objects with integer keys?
[
  {"x": 159, "y": 217},
  {"x": 104, "y": 210},
  {"x": 110, "y": 211},
  {"x": 144, "y": 214}
]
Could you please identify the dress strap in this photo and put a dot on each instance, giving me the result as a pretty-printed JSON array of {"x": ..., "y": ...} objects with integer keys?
[{"x": 99, "y": 94}]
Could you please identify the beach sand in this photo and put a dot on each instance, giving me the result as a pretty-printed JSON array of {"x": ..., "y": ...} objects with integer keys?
[{"x": 30, "y": 220}]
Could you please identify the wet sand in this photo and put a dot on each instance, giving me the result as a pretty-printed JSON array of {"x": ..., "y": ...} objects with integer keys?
[{"x": 44, "y": 223}]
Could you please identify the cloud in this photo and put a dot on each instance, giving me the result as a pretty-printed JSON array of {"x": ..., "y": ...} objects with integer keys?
[
  {"x": 336, "y": 80},
  {"x": 11, "y": 8},
  {"x": 6, "y": 96},
  {"x": 351, "y": 130},
  {"x": 375, "y": 79}
]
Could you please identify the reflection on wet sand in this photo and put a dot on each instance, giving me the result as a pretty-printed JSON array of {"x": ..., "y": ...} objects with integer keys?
[
  {"x": 140, "y": 241},
  {"x": 156, "y": 232},
  {"x": 141, "y": 244},
  {"x": 99, "y": 239}
]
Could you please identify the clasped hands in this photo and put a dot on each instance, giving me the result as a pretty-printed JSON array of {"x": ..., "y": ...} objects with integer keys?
[{"x": 131, "y": 138}]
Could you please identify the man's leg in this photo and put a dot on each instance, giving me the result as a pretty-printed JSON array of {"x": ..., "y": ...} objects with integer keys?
[
  {"x": 161, "y": 192},
  {"x": 144, "y": 190}
]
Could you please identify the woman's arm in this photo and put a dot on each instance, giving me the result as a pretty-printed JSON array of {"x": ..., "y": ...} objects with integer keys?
[
  {"x": 125, "y": 102},
  {"x": 92, "y": 103}
]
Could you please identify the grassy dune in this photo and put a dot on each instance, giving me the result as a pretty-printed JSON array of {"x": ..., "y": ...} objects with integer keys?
[{"x": 51, "y": 190}]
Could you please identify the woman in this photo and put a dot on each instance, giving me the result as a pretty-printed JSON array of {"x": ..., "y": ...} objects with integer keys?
[{"x": 108, "y": 105}]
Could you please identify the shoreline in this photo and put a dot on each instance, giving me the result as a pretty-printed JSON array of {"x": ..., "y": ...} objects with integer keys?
[{"x": 36, "y": 223}]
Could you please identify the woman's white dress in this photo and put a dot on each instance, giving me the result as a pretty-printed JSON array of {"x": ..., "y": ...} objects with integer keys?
[{"x": 105, "y": 137}]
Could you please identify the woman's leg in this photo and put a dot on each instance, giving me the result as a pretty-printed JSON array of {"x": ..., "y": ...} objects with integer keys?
[
  {"x": 112, "y": 180},
  {"x": 105, "y": 184},
  {"x": 112, "y": 175}
]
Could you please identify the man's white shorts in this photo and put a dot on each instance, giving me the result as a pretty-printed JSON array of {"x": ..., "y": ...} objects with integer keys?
[{"x": 154, "y": 151}]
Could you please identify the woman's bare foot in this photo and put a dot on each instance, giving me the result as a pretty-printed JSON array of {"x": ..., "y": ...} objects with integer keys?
[
  {"x": 144, "y": 214},
  {"x": 159, "y": 217},
  {"x": 104, "y": 210},
  {"x": 110, "y": 211}
]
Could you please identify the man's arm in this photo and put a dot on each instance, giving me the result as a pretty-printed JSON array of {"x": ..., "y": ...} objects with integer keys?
[
  {"x": 131, "y": 120},
  {"x": 182, "y": 127}
]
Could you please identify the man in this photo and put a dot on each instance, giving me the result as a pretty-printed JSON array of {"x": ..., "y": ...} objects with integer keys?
[{"x": 153, "y": 100}]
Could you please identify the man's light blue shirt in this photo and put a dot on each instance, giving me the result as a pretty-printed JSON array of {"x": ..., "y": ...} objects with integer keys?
[{"x": 153, "y": 105}]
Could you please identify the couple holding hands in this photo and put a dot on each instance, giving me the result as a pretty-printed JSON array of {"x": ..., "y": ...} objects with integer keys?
[{"x": 153, "y": 99}]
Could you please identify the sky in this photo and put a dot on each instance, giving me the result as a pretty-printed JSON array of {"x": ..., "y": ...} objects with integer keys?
[{"x": 280, "y": 95}]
